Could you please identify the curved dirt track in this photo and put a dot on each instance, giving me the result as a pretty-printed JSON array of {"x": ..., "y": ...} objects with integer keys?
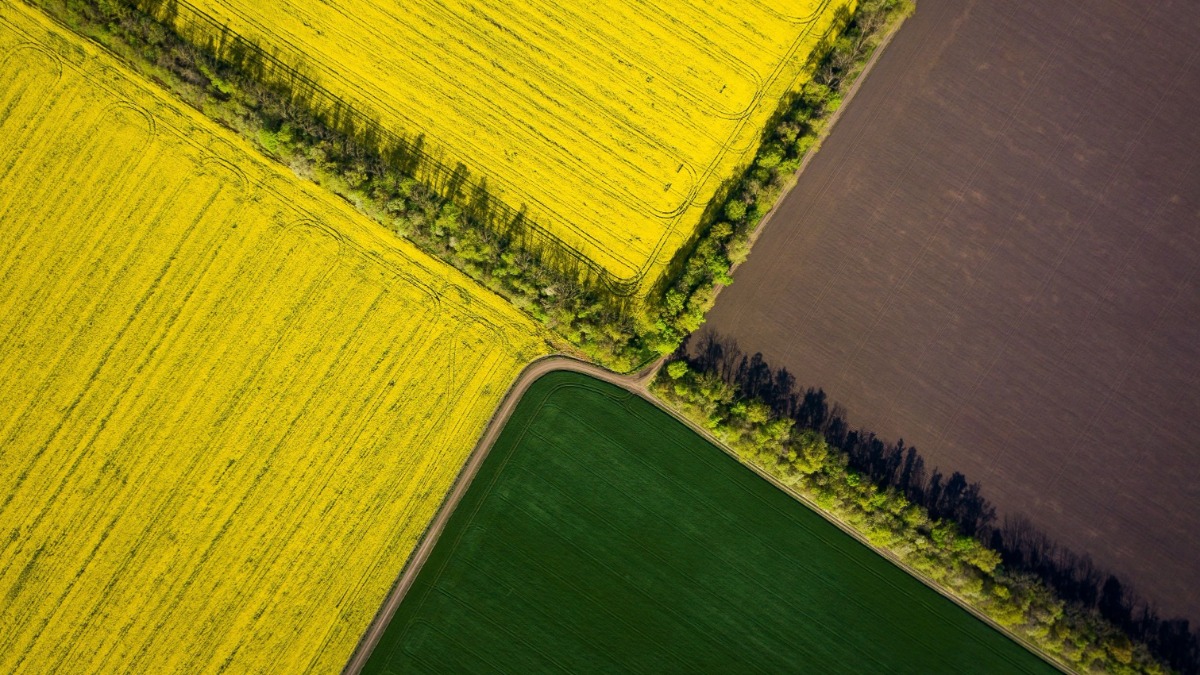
[{"x": 634, "y": 383}]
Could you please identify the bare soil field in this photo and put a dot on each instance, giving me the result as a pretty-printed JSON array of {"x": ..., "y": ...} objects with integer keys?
[{"x": 994, "y": 257}]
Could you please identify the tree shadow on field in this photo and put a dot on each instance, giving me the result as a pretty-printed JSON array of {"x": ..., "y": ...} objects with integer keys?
[
  {"x": 285, "y": 85},
  {"x": 820, "y": 62},
  {"x": 893, "y": 465}
]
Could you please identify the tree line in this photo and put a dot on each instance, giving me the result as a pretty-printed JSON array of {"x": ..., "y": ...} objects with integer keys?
[
  {"x": 444, "y": 210},
  {"x": 447, "y": 212},
  {"x": 941, "y": 525}
]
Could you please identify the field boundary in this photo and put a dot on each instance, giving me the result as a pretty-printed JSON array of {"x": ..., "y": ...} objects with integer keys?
[
  {"x": 855, "y": 84},
  {"x": 179, "y": 271},
  {"x": 636, "y": 384},
  {"x": 231, "y": 47},
  {"x": 268, "y": 66}
]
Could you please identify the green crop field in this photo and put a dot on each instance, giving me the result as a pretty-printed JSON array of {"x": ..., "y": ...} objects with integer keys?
[{"x": 601, "y": 534}]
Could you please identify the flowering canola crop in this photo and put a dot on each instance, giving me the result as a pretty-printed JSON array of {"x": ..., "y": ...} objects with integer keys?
[
  {"x": 611, "y": 124},
  {"x": 230, "y": 404}
]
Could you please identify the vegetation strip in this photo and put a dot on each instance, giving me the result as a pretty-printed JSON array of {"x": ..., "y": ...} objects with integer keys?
[
  {"x": 803, "y": 461},
  {"x": 796, "y": 131},
  {"x": 689, "y": 560},
  {"x": 609, "y": 124},
  {"x": 558, "y": 293},
  {"x": 342, "y": 153}
]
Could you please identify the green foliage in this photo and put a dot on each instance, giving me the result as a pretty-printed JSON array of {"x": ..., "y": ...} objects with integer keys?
[
  {"x": 810, "y": 453},
  {"x": 964, "y": 566},
  {"x": 269, "y": 140},
  {"x": 785, "y": 142},
  {"x": 735, "y": 211},
  {"x": 536, "y": 277},
  {"x": 640, "y": 547},
  {"x": 541, "y": 281}
]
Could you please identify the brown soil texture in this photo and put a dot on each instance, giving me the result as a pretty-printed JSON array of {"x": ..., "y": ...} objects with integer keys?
[{"x": 994, "y": 257}]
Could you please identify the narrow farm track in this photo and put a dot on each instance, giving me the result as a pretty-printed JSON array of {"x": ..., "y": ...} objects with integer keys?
[
  {"x": 638, "y": 384},
  {"x": 196, "y": 378},
  {"x": 537, "y": 569}
]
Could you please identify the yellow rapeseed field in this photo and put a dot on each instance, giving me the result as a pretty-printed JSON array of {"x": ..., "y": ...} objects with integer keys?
[
  {"x": 613, "y": 123},
  {"x": 230, "y": 404}
]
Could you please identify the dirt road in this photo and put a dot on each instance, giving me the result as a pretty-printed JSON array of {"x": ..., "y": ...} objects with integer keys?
[{"x": 636, "y": 384}]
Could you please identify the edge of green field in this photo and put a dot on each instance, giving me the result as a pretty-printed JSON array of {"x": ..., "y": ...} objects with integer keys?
[{"x": 600, "y": 533}]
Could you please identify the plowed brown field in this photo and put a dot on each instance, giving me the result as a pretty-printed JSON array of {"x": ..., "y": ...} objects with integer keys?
[{"x": 995, "y": 257}]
